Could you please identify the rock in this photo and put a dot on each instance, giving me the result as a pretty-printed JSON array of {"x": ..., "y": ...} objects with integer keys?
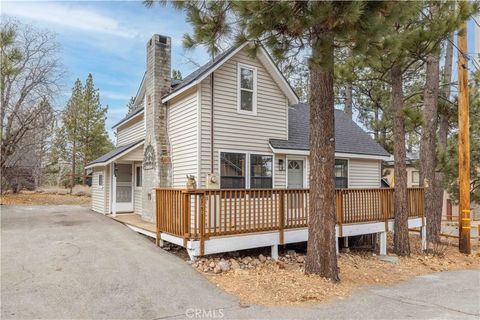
[
  {"x": 223, "y": 265},
  {"x": 205, "y": 269},
  {"x": 212, "y": 264},
  {"x": 217, "y": 269},
  {"x": 291, "y": 252},
  {"x": 300, "y": 259},
  {"x": 262, "y": 258},
  {"x": 280, "y": 265},
  {"x": 234, "y": 264},
  {"x": 390, "y": 259}
]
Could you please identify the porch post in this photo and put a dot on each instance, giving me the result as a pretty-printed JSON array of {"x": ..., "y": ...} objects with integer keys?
[
  {"x": 114, "y": 191},
  {"x": 383, "y": 243}
]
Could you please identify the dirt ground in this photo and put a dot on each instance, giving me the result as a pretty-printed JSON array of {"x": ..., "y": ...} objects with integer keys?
[
  {"x": 284, "y": 282},
  {"x": 44, "y": 199}
]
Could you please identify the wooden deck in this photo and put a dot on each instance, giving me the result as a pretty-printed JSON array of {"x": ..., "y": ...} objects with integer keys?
[
  {"x": 135, "y": 222},
  {"x": 201, "y": 220}
]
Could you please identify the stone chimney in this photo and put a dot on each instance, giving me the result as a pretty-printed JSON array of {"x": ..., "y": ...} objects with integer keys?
[{"x": 157, "y": 167}]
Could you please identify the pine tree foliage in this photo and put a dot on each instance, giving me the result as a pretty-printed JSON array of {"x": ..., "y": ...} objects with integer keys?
[
  {"x": 176, "y": 75},
  {"x": 82, "y": 136},
  {"x": 131, "y": 105}
]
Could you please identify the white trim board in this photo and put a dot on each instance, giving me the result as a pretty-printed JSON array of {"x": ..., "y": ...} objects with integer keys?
[
  {"x": 337, "y": 154},
  {"x": 102, "y": 164}
]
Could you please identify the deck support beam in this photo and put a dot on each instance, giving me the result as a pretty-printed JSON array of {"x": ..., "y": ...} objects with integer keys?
[
  {"x": 383, "y": 243},
  {"x": 274, "y": 252},
  {"x": 337, "y": 247},
  {"x": 423, "y": 235}
]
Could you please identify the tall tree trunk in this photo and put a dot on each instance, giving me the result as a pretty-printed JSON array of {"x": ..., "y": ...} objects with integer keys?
[
  {"x": 428, "y": 154},
  {"x": 443, "y": 122},
  {"x": 321, "y": 253},
  {"x": 401, "y": 240},
  {"x": 349, "y": 100}
]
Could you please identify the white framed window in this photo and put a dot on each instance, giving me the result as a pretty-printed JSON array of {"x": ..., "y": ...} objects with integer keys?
[
  {"x": 415, "y": 177},
  {"x": 246, "y": 170},
  {"x": 261, "y": 171},
  {"x": 100, "y": 180},
  {"x": 341, "y": 173},
  {"x": 138, "y": 176},
  {"x": 247, "y": 89},
  {"x": 232, "y": 170}
]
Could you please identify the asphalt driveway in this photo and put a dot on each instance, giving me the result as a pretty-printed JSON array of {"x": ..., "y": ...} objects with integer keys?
[{"x": 68, "y": 262}]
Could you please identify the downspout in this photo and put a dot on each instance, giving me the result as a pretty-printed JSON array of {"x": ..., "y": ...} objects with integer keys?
[{"x": 211, "y": 123}]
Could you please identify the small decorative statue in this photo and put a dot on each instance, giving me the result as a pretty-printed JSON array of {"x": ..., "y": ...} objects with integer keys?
[{"x": 191, "y": 183}]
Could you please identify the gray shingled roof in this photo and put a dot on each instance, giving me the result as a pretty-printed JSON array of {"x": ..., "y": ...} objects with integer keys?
[
  {"x": 115, "y": 152},
  {"x": 349, "y": 137},
  {"x": 129, "y": 116}
]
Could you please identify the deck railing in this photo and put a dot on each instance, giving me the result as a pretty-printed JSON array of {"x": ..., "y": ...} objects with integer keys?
[{"x": 204, "y": 213}]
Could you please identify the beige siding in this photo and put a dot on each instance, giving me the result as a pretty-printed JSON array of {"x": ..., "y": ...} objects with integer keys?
[
  {"x": 98, "y": 192},
  {"x": 364, "y": 173},
  {"x": 130, "y": 132},
  {"x": 236, "y": 131},
  {"x": 280, "y": 176},
  {"x": 183, "y": 136}
]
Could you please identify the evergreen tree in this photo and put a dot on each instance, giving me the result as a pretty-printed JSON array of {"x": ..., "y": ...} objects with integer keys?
[
  {"x": 82, "y": 136},
  {"x": 176, "y": 75},
  {"x": 131, "y": 105},
  {"x": 92, "y": 135}
]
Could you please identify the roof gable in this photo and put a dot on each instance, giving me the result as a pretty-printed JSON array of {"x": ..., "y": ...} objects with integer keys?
[{"x": 204, "y": 71}]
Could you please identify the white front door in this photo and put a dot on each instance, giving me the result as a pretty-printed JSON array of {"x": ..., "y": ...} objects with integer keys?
[
  {"x": 124, "y": 188},
  {"x": 295, "y": 174}
]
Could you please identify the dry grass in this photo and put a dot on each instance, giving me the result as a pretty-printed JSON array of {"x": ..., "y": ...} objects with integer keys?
[
  {"x": 43, "y": 199},
  {"x": 285, "y": 283}
]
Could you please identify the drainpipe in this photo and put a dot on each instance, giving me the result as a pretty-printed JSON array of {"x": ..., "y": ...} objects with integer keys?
[{"x": 211, "y": 122}]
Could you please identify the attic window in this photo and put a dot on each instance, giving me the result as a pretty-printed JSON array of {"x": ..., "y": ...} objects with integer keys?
[{"x": 247, "y": 89}]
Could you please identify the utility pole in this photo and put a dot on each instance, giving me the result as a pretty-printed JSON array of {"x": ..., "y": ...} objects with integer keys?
[{"x": 464, "y": 143}]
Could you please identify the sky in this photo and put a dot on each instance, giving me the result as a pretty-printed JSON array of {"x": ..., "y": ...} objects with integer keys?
[{"x": 108, "y": 38}]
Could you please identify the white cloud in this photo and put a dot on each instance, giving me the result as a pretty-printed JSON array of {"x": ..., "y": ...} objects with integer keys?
[{"x": 66, "y": 15}]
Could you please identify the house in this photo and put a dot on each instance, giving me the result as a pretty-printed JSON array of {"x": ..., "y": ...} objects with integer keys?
[{"x": 254, "y": 136}]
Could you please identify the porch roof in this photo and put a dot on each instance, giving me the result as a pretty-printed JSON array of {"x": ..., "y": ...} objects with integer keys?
[
  {"x": 114, "y": 154},
  {"x": 349, "y": 137}
]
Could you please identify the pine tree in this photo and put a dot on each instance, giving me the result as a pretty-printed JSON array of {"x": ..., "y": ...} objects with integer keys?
[
  {"x": 82, "y": 136},
  {"x": 131, "y": 105},
  {"x": 92, "y": 136},
  {"x": 176, "y": 75}
]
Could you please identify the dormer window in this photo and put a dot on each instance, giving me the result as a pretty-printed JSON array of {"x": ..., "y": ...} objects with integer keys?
[{"x": 247, "y": 89}]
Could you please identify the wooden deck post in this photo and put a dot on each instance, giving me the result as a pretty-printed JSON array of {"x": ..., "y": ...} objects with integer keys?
[
  {"x": 383, "y": 243},
  {"x": 281, "y": 222},
  {"x": 202, "y": 224}
]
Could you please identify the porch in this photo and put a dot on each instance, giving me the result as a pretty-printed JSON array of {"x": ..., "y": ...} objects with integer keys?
[{"x": 208, "y": 221}]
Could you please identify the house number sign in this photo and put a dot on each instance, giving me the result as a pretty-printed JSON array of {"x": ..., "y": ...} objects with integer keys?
[{"x": 149, "y": 158}]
